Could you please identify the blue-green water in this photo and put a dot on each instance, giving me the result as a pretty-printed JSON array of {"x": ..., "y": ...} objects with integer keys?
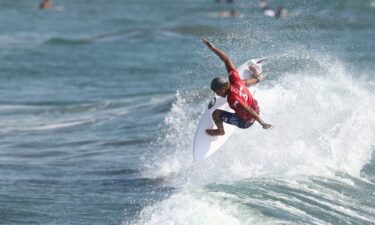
[{"x": 99, "y": 102}]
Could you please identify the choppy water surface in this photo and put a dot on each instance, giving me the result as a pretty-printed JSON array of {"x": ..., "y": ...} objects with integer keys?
[{"x": 99, "y": 103}]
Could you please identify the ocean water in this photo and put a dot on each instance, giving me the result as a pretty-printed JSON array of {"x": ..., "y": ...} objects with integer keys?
[{"x": 99, "y": 102}]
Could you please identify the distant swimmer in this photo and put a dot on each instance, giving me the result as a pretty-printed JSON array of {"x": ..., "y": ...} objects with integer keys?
[
  {"x": 281, "y": 12},
  {"x": 226, "y": 1},
  {"x": 238, "y": 96},
  {"x": 231, "y": 13},
  {"x": 269, "y": 13},
  {"x": 45, "y": 4},
  {"x": 266, "y": 9}
]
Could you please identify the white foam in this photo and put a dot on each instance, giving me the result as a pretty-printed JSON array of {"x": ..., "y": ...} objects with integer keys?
[
  {"x": 201, "y": 208},
  {"x": 324, "y": 123}
]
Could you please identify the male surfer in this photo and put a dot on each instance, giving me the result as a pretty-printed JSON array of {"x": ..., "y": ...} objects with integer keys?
[
  {"x": 238, "y": 96},
  {"x": 45, "y": 4}
]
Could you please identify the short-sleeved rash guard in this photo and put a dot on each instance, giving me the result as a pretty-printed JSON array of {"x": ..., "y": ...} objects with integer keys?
[{"x": 239, "y": 94}]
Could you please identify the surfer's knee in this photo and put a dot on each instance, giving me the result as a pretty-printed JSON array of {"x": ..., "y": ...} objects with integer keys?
[{"x": 216, "y": 114}]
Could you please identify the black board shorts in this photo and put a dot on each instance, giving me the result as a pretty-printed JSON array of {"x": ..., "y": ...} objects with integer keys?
[{"x": 234, "y": 119}]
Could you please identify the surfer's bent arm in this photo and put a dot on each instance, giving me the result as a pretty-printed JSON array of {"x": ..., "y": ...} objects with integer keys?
[
  {"x": 228, "y": 63},
  {"x": 255, "y": 116},
  {"x": 249, "y": 82},
  {"x": 257, "y": 76}
]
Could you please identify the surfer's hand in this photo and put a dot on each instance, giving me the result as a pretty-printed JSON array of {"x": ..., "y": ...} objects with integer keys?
[
  {"x": 259, "y": 77},
  {"x": 266, "y": 126},
  {"x": 256, "y": 72},
  {"x": 208, "y": 43}
]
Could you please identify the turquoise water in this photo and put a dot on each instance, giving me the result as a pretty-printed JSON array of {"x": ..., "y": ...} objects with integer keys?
[{"x": 99, "y": 102}]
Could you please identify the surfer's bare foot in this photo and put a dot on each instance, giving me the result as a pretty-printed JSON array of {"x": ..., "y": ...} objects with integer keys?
[{"x": 215, "y": 132}]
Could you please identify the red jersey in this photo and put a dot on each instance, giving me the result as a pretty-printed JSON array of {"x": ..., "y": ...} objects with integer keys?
[{"x": 239, "y": 94}]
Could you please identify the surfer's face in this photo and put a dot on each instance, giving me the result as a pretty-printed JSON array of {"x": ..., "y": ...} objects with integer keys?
[{"x": 221, "y": 92}]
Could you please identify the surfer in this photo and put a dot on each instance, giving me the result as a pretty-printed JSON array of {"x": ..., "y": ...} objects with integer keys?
[
  {"x": 281, "y": 12},
  {"x": 45, "y": 4},
  {"x": 238, "y": 96}
]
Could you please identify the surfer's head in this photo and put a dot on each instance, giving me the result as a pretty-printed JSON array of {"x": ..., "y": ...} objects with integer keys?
[{"x": 220, "y": 86}]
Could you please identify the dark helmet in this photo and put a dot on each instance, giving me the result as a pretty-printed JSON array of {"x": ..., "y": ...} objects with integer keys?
[{"x": 218, "y": 82}]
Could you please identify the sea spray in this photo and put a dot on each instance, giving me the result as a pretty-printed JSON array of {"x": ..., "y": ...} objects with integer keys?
[{"x": 316, "y": 116}]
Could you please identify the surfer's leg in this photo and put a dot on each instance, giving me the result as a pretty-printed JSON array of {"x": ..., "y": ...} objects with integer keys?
[{"x": 218, "y": 122}]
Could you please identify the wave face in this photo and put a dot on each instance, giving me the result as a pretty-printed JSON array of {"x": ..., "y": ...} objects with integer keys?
[{"x": 315, "y": 200}]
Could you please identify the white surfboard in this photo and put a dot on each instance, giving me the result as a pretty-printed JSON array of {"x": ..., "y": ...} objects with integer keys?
[{"x": 204, "y": 144}]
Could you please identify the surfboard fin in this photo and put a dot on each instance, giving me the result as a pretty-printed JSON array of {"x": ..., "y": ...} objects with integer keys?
[{"x": 212, "y": 103}]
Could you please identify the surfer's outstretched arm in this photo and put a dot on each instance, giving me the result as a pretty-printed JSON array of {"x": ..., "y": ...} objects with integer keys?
[
  {"x": 228, "y": 63},
  {"x": 256, "y": 116}
]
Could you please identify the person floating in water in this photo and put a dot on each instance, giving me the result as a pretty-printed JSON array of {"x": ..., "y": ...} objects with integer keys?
[
  {"x": 226, "y": 1},
  {"x": 45, "y": 4},
  {"x": 266, "y": 9},
  {"x": 238, "y": 96},
  {"x": 281, "y": 12},
  {"x": 231, "y": 13}
]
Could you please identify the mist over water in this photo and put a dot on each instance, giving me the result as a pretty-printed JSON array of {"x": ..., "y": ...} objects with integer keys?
[{"x": 99, "y": 104}]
